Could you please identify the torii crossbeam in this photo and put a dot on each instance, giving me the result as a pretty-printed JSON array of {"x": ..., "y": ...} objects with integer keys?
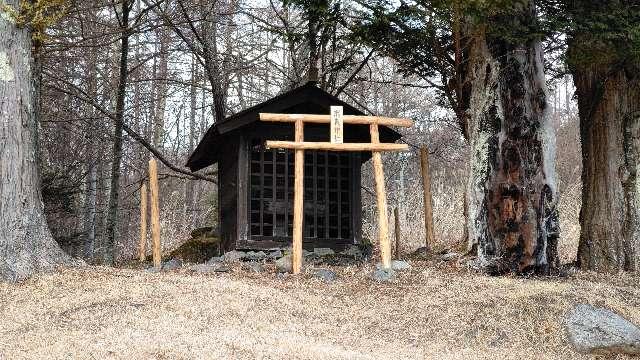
[{"x": 336, "y": 120}]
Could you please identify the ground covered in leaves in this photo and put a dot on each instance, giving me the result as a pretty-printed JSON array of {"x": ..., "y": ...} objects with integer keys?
[{"x": 430, "y": 311}]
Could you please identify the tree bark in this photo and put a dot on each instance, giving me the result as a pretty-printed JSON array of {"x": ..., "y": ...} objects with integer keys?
[
  {"x": 189, "y": 185},
  {"x": 314, "y": 11},
  {"x": 512, "y": 192},
  {"x": 609, "y": 110},
  {"x": 91, "y": 159},
  {"x": 161, "y": 96},
  {"x": 26, "y": 244},
  {"x": 112, "y": 215}
]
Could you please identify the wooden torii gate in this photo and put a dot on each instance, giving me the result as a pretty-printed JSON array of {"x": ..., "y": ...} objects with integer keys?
[{"x": 336, "y": 120}]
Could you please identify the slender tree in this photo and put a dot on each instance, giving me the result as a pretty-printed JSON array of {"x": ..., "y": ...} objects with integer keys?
[{"x": 112, "y": 217}]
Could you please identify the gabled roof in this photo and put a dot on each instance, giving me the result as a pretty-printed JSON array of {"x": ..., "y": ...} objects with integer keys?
[{"x": 209, "y": 148}]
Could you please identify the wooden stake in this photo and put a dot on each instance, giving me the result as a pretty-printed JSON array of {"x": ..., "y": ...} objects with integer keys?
[
  {"x": 143, "y": 222},
  {"x": 428, "y": 210},
  {"x": 396, "y": 215},
  {"x": 298, "y": 200},
  {"x": 381, "y": 195},
  {"x": 155, "y": 213}
]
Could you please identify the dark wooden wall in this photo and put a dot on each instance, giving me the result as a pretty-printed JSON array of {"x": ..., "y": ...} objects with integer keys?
[
  {"x": 228, "y": 194},
  {"x": 240, "y": 224}
]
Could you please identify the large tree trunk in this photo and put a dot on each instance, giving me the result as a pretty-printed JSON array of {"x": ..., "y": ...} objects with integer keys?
[
  {"x": 609, "y": 108},
  {"x": 26, "y": 244},
  {"x": 114, "y": 195},
  {"x": 511, "y": 192}
]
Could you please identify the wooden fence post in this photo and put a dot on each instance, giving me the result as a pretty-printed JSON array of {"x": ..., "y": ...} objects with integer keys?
[
  {"x": 396, "y": 214},
  {"x": 155, "y": 213},
  {"x": 428, "y": 210},
  {"x": 398, "y": 233},
  {"x": 381, "y": 196},
  {"x": 298, "y": 201},
  {"x": 143, "y": 222}
]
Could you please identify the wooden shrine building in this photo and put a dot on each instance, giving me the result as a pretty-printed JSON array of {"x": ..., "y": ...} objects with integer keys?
[{"x": 255, "y": 185}]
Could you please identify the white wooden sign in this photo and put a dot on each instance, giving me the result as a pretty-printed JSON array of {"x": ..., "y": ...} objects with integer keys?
[{"x": 337, "y": 125}]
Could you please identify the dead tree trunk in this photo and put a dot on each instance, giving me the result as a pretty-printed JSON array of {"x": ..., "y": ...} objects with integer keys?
[
  {"x": 511, "y": 191},
  {"x": 609, "y": 109},
  {"x": 26, "y": 245}
]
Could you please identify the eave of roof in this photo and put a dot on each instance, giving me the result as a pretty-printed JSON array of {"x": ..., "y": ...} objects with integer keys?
[{"x": 205, "y": 153}]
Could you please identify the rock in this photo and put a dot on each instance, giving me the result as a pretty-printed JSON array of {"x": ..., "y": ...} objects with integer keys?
[
  {"x": 282, "y": 275},
  {"x": 353, "y": 251},
  {"x": 215, "y": 260},
  {"x": 197, "y": 250},
  {"x": 323, "y": 251},
  {"x": 325, "y": 275},
  {"x": 306, "y": 253},
  {"x": 253, "y": 266},
  {"x": 276, "y": 254},
  {"x": 172, "y": 264},
  {"x": 253, "y": 255},
  {"x": 397, "y": 265},
  {"x": 594, "y": 330},
  {"x": 209, "y": 268},
  {"x": 400, "y": 265},
  {"x": 234, "y": 255},
  {"x": 283, "y": 265},
  {"x": 152, "y": 270},
  {"x": 449, "y": 256},
  {"x": 381, "y": 275},
  {"x": 422, "y": 252},
  {"x": 204, "y": 232}
]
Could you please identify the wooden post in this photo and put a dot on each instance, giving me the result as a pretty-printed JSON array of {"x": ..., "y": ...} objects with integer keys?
[
  {"x": 396, "y": 215},
  {"x": 298, "y": 201},
  {"x": 155, "y": 213},
  {"x": 143, "y": 222},
  {"x": 428, "y": 210},
  {"x": 381, "y": 196}
]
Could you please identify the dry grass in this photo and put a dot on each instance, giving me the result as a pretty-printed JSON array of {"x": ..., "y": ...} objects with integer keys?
[{"x": 432, "y": 311}]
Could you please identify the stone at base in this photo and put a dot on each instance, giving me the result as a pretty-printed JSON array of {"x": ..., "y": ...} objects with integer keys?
[
  {"x": 215, "y": 260},
  {"x": 208, "y": 269},
  {"x": 252, "y": 266},
  {"x": 600, "y": 331},
  {"x": 172, "y": 264},
  {"x": 283, "y": 265},
  {"x": 353, "y": 251},
  {"x": 233, "y": 256},
  {"x": 397, "y": 265},
  {"x": 381, "y": 275},
  {"x": 325, "y": 275},
  {"x": 256, "y": 255},
  {"x": 323, "y": 251}
]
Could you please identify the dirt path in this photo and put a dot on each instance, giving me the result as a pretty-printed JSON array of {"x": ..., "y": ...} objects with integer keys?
[{"x": 427, "y": 313}]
